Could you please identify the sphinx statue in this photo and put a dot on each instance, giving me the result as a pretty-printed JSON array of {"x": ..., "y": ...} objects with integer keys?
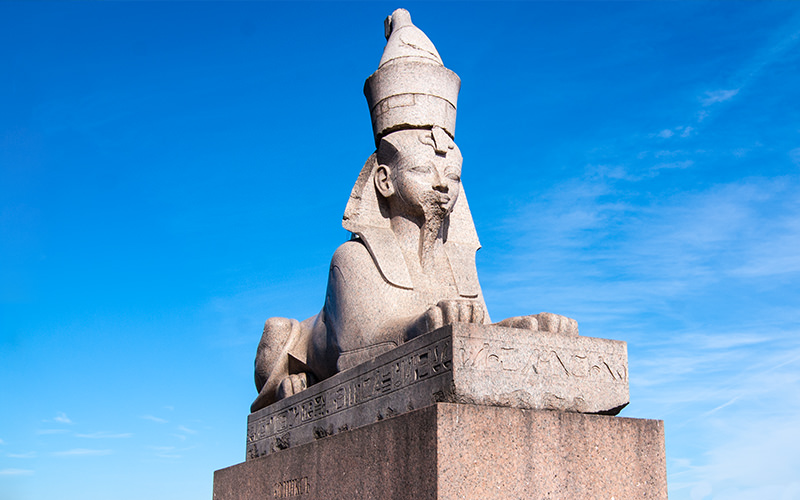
[{"x": 409, "y": 267}]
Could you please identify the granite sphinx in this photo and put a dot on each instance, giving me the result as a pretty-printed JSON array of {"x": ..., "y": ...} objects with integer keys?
[{"x": 409, "y": 267}]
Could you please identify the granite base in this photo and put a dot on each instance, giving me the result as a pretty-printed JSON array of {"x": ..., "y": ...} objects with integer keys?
[{"x": 464, "y": 451}]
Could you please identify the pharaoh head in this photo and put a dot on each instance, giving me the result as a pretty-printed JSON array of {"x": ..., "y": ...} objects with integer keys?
[{"x": 416, "y": 170}]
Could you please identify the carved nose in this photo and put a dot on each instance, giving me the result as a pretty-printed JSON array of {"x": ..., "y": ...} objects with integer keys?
[{"x": 438, "y": 181}]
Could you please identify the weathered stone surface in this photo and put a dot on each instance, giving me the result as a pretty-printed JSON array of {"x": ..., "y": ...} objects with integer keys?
[
  {"x": 455, "y": 451},
  {"x": 465, "y": 363}
]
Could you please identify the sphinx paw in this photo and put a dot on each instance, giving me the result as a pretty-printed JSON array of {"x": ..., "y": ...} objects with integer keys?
[
  {"x": 556, "y": 323},
  {"x": 292, "y": 385},
  {"x": 529, "y": 322}
]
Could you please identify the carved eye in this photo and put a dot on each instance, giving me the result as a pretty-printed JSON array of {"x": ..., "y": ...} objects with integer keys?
[
  {"x": 453, "y": 173},
  {"x": 422, "y": 169}
]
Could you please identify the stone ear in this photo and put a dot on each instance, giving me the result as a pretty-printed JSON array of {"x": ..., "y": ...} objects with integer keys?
[{"x": 383, "y": 181}]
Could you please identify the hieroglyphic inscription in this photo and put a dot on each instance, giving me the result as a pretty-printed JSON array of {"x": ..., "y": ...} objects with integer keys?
[
  {"x": 291, "y": 488},
  {"x": 425, "y": 362},
  {"x": 546, "y": 361}
]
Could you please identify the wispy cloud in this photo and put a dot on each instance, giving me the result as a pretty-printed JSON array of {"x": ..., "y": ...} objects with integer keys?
[
  {"x": 716, "y": 96},
  {"x": 81, "y": 452},
  {"x": 154, "y": 419},
  {"x": 51, "y": 431},
  {"x": 718, "y": 408},
  {"x": 62, "y": 418},
  {"x": 590, "y": 248},
  {"x": 30, "y": 454},
  {"x": 162, "y": 448},
  {"x": 186, "y": 430},
  {"x": 795, "y": 156},
  {"x": 15, "y": 472},
  {"x": 168, "y": 452},
  {"x": 671, "y": 165},
  {"x": 105, "y": 435},
  {"x": 681, "y": 131}
]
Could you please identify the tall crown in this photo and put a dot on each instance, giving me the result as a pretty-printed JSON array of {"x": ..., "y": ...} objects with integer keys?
[{"x": 411, "y": 87}]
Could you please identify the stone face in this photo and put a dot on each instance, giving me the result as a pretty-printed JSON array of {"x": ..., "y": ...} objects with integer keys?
[
  {"x": 464, "y": 363},
  {"x": 454, "y": 451}
]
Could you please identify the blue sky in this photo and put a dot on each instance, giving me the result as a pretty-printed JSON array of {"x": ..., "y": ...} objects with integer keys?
[{"x": 174, "y": 173}]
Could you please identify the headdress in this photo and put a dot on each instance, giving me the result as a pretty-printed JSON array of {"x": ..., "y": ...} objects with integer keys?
[{"x": 411, "y": 87}]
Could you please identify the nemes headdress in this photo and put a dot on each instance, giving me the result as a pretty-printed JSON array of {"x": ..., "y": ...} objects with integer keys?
[{"x": 411, "y": 89}]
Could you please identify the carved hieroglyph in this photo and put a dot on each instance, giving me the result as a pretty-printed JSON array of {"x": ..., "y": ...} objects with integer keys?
[
  {"x": 410, "y": 265},
  {"x": 475, "y": 364}
]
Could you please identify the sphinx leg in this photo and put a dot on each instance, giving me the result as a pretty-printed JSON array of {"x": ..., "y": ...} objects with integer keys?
[{"x": 272, "y": 358}]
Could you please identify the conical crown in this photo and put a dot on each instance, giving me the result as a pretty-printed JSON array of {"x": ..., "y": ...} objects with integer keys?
[{"x": 411, "y": 87}]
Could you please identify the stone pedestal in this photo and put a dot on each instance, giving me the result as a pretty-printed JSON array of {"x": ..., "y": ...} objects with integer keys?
[
  {"x": 465, "y": 451},
  {"x": 464, "y": 412},
  {"x": 460, "y": 363}
]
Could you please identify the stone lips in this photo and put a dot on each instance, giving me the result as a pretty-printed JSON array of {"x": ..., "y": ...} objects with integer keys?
[{"x": 484, "y": 365}]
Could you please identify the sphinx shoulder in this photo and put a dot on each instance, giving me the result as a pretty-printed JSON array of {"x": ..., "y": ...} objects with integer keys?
[{"x": 352, "y": 258}]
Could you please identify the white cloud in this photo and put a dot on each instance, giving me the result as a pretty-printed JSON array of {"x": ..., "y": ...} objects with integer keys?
[
  {"x": 720, "y": 407},
  {"x": 668, "y": 153},
  {"x": 672, "y": 165},
  {"x": 30, "y": 454},
  {"x": 2, "y": 442},
  {"x": 716, "y": 96},
  {"x": 154, "y": 419},
  {"x": 62, "y": 418},
  {"x": 51, "y": 431},
  {"x": 795, "y": 155},
  {"x": 81, "y": 452},
  {"x": 608, "y": 255},
  {"x": 666, "y": 133},
  {"x": 759, "y": 461},
  {"x": 162, "y": 448},
  {"x": 169, "y": 452},
  {"x": 105, "y": 435},
  {"x": 186, "y": 430},
  {"x": 15, "y": 472},
  {"x": 687, "y": 131}
]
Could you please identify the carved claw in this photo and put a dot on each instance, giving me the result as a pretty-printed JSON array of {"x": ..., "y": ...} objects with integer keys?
[
  {"x": 555, "y": 323},
  {"x": 292, "y": 385},
  {"x": 543, "y": 322},
  {"x": 529, "y": 322},
  {"x": 447, "y": 312}
]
